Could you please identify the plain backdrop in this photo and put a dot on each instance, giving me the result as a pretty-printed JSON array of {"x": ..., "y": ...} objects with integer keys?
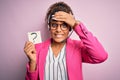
[{"x": 17, "y": 17}]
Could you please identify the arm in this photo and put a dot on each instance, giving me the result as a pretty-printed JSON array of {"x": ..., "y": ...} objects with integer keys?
[
  {"x": 92, "y": 51},
  {"x": 31, "y": 75},
  {"x": 32, "y": 68}
]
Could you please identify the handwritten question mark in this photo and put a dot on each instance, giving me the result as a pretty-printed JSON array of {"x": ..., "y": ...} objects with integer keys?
[{"x": 35, "y": 36}]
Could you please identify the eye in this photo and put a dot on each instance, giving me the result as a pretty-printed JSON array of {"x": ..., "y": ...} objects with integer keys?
[
  {"x": 64, "y": 25},
  {"x": 54, "y": 25}
]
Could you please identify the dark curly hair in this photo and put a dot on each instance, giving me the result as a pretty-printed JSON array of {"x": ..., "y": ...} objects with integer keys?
[{"x": 58, "y": 6}]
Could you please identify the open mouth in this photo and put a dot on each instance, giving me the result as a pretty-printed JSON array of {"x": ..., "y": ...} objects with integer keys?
[{"x": 58, "y": 35}]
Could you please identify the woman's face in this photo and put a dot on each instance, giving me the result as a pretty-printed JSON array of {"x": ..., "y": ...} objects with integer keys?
[{"x": 59, "y": 31}]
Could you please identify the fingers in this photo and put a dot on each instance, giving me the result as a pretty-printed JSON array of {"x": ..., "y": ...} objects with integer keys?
[
  {"x": 28, "y": 45},
  {"x": 61, "y": 13},
  {"x": 29, "y": 48},
  {"x": 59, "y": 16},
  {"x": 65, "y": 17},
  {"x": 30, "y": 51}
]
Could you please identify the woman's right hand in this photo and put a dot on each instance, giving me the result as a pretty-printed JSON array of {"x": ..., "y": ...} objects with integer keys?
[{"x": 30, "y": 51}]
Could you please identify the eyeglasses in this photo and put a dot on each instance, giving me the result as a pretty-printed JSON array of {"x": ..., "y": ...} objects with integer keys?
[{"x": 63, "y": 26}]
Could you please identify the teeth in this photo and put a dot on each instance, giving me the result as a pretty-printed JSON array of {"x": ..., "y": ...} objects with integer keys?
[{"x": 58, "y": 35}]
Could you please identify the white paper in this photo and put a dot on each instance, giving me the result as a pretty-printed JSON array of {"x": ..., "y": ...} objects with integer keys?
[{"x": 35, "y": 37}]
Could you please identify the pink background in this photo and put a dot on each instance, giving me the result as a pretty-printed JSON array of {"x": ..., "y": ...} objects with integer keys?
[{"x": 17, "y": 17}]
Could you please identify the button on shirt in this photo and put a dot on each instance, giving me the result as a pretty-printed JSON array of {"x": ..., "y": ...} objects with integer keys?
[{"x": 55, "y": 67}]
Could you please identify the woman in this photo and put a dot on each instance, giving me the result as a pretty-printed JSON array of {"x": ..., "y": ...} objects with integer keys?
[{"x": 60, "y": 58}]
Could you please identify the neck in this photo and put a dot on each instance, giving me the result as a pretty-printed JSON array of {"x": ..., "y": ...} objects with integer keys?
[
  {"x": 56, "y": 44},
  {"x": 56, "y": 47}
]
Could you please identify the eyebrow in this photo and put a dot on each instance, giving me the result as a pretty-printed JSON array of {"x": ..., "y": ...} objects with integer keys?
[{"x": 58, "y": 21}]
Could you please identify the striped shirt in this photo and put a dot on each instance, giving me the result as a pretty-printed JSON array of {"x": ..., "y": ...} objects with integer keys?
[{"x": 55, "y": 67}]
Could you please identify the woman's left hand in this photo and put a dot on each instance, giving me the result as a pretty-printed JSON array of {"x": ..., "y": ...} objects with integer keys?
[{"x": 66, "y": 17}]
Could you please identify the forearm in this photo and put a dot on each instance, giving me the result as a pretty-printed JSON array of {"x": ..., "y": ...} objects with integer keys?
[
  {"x": 32, "y": 66},
  {"x": 31, "y": 74}
]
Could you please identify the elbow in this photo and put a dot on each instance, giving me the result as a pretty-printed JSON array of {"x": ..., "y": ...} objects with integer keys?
[{"x": 102, "y": 58}]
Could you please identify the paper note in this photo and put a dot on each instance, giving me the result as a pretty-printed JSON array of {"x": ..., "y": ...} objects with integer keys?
[{"x": 34, "y": 37}]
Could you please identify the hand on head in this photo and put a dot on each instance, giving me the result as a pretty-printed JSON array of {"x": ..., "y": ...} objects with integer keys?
[{"x": 65, "y": 17}]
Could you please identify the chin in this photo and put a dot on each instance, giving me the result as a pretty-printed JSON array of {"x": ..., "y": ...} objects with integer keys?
[{"x": 59, "y": 41}]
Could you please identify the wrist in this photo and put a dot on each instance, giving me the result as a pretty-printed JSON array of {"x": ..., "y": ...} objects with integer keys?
[
  {"x": 76, "y": 23},
  {"x": 32, "y": 66},
  {"x": 32, "y": 62}
]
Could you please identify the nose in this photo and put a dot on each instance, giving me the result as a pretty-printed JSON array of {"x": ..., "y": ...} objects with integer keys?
[{"x": 58, "y": 28}]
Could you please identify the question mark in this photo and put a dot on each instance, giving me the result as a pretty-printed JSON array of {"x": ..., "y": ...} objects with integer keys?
[{"x": 34, "y": 36}]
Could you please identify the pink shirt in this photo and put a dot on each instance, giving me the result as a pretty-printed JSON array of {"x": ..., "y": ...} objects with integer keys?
[{"x": 88, "y": 50}]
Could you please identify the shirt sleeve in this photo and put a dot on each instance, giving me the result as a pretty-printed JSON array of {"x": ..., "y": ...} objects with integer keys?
[
  {"x": 31, "y": 75},
  {"x": 92, "y": 50}
]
